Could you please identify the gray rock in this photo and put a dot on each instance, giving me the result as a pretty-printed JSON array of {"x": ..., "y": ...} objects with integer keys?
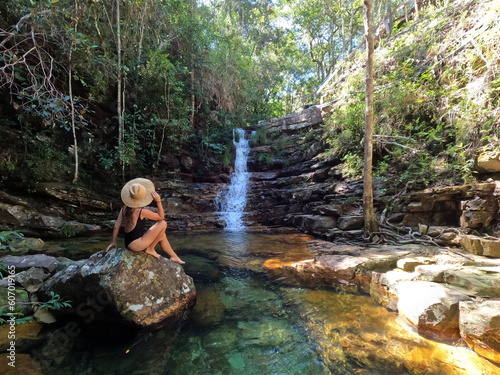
[
  {"x": 32, "y": 279},
  {"x": 25, "y": 262},
  {"x": 478, "y": 281},
  {"x": 22, "y": 217},
  {"x": 350, "y": 222}
]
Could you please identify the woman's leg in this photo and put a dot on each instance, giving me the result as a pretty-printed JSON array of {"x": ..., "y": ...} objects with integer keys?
[
  {"x": 149, "y": 239},
  {"x": 153, "y": 236},
  {"x": 165, "y": 246}
]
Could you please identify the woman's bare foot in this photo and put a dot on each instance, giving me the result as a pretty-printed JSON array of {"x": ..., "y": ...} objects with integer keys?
[
  {"x": 177, "y": 260},
  {"x": 153, "y": 253}
]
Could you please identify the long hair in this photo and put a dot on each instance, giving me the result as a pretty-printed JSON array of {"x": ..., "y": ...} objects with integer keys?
[{"x": 127, "y": 214}]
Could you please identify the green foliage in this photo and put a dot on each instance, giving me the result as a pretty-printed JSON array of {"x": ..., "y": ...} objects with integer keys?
[
  {"x": 352, "y": 166},
  {"x": 45, "y": 161},
  {"x": 193, "y": 71},
  {"x": 55, "y": 302},
  {"x": 433, "y": 115},
  {"x": 227, "y": 157},
  {"x": 6, "y": 314},
  {"x": 264, "y": 159},
  {"x": 8, "y": 238},
  {"x": 279, "y": 147},
  {"x": 346, "y": 127},
  {"x": 419, "y": 171},
  {"x": 68, "y": 230},
  {"x": 260, "y": 137}
]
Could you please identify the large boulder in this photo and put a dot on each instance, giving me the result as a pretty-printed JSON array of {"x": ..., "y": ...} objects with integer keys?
[
  {"x": 125, "y": 286},
  {"x": 480, "y": 327},
  {"x": 486, "y": 246},
  {"x": 34, "y": 222},
  {"x": 45, "y": 262},
  {"x": 431, "y": 307},
  {"x": 299, "y": 120},
  {"x": 489, "y": 161}
]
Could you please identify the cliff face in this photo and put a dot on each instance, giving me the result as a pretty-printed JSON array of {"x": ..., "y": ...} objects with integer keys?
[
  {"x": 305, "y": 188},
  {"x": 436, "y": 120}
]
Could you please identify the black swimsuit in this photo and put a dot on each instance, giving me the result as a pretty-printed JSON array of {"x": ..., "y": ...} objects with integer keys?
[{"x": 137, "y": 232}]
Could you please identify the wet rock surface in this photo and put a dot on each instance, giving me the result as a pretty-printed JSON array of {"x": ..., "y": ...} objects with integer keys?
[{"x": 346, "y": 328}]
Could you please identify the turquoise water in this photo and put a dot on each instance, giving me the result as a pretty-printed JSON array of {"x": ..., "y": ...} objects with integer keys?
[{"x": 244, "y": 324}]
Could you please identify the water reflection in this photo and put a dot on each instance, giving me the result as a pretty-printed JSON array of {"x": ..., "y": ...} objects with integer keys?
[{"x": 244, "y": 324}]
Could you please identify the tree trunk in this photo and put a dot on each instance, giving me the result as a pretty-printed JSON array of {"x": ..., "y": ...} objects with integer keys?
[
  {"x": 371, "y": 224},
  {"x": 119, "y": 105},
  {"x": 76, "y": 174},
  {"x": 73, "y": 126},
  {"x": 193, "y": 98}
]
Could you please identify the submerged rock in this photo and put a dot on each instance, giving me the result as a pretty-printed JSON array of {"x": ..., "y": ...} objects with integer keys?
[
  {"x": 24, "y": 364},
  {"x": 28, "y": 335},
  {"x": 126, "y": 286},
  {"x": 424, "y": 285},
  {"x": 209, "y": 309}
]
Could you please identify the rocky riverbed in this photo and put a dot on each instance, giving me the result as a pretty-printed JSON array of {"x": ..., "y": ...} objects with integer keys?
[{"x": 445, "y": 294}]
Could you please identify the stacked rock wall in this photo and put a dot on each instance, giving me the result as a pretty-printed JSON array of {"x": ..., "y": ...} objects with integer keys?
[{"x": 305, "y": 189}]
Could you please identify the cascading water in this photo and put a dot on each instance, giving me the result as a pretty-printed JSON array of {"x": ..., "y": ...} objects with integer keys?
[{"x": 231, "y": 201}]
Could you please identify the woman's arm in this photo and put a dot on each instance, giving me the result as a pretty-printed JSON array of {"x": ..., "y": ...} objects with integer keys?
[
  {"x": 116, "y": 230},
  {"x": 148, "y": 214}
]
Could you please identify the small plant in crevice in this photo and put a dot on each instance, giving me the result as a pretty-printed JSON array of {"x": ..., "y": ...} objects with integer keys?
[
  {"x": 8, "y": 238},
  {"x": 352, "y": 166},
  {"x": 68, "y": 230},
  {"x": 264, "y": 159},
  {"x": 279, "y": 147},
  {"x": 259, "y": 137},
  {"x": 54, "y": 303}
]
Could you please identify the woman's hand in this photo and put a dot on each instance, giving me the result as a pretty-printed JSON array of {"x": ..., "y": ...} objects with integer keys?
[
  {"x": 156, "y": 196},
  {"x": 112, "y": 245}
]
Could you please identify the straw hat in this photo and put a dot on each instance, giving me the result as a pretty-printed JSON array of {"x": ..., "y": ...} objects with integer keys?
[{"x": 137, "y": 192}]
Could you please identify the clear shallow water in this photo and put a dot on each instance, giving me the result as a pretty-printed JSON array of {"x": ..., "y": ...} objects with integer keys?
[{"x": 243, "y": 324}]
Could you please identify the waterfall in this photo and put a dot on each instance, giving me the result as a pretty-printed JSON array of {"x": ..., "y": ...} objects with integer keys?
[{"x": 231, "y": 201}]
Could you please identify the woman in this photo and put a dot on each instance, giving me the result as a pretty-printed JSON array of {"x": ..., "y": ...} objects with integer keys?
[{"x": 136, "y": 194}]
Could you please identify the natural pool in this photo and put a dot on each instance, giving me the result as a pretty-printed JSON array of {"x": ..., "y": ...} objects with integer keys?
[{"x": 244, "y": 324}]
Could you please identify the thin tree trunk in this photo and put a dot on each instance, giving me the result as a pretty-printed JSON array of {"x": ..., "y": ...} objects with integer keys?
[
  {"x": 141, "y": 30},
  {"x": 193, "y": 98},
  {"x": 72, "y": 103},
  {"x": 166, "y": 93},
  {"x": 119, "y": 104},
  {"x": 73, "y": 126},
  {"x": 370, "y": 220}
]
